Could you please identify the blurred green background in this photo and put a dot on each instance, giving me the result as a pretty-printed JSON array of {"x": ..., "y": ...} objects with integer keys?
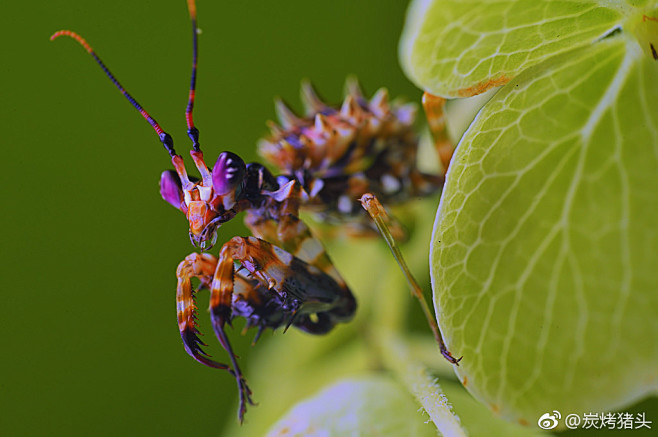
[{"x": 89, "y": 250}]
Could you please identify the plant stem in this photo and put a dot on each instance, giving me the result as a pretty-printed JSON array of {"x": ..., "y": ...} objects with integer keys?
[{"x": 416, "y": 379}]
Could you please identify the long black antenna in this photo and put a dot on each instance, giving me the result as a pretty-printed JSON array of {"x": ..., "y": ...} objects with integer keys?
[
  {"x": 192, "y": 131},
  {"x": 165, "y": 138}
]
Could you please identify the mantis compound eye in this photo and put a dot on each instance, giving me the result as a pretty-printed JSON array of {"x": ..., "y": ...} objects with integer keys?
[
  {"x": 171, "y": 188},
  {"x": 228, "y": 173}
]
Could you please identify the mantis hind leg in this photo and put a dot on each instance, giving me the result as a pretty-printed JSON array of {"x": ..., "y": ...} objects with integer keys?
[
  {"x": 379, "y": 215},
  {"x": 434, "y": 107}
]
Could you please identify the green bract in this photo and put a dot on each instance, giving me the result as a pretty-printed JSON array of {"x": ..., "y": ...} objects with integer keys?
[
  {"x": 368, "y": 406},
  {"x": 458, "y": 48},
  {"x": 545, "y": 246}
]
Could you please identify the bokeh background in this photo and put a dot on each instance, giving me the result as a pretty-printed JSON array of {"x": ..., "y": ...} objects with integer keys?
[{"x": 89, "y": 249}]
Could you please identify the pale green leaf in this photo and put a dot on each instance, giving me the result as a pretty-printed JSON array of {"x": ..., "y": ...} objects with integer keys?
[
  {"x": 367, "y": 406},
  {"x": 457, "y": 48},
  {"x": 545, "y": 248}
]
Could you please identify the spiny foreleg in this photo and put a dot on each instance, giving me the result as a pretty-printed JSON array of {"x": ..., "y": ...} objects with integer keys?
[
  {"x": 200, "y": 266},
  {"x": 206, "y": 268}
]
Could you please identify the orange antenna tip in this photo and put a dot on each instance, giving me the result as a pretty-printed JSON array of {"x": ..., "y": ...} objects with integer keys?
[
  {"x": 73, "y": 35},
  {"x": 191, "y": 6}
]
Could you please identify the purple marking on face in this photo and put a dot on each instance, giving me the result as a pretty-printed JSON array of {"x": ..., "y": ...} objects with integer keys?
[
  {"x": 228, "y": 173},
  {"x": 171, "y": 188}
]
